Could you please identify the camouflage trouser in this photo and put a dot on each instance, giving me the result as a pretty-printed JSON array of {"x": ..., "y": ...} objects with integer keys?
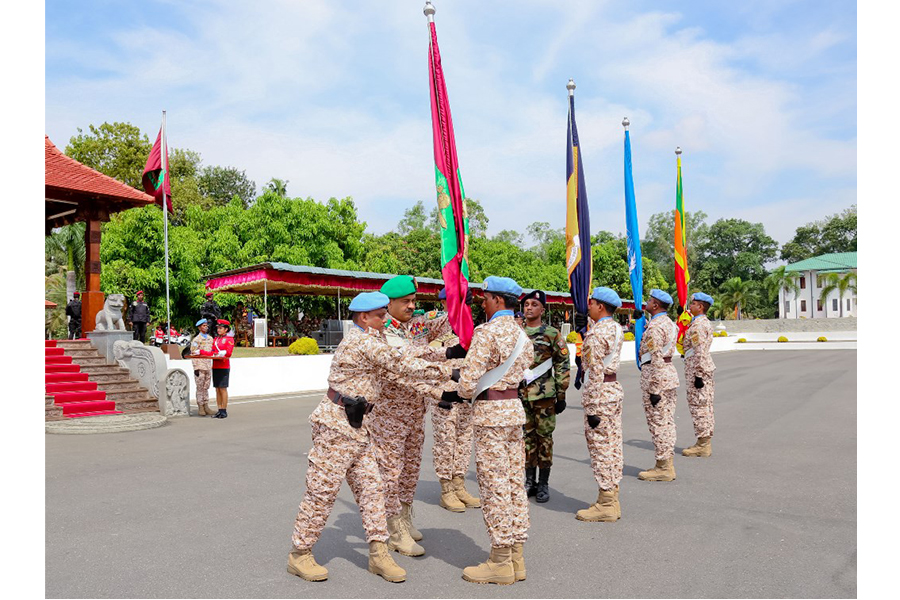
[
  {"x": 500, "y": 466},
  {"x": 452, "y": 449},
  {"x": 333, "y": 458},
  {"x": 202, "y": 377},
  {"x": 701, "y": 404},
  {"x": 540, "y": 421},
  {"x": 604, "y": 441},
  {"x": 397, "y": 430},
  {"x": 661, "y": 421}
]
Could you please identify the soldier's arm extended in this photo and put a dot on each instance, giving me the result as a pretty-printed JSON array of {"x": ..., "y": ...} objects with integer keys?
[
  {"x": 476, "y": 363},
  {"x": 437, "y": 325},
  {"x": 404, "y": 361},
  {"x": 560, "y": 366},
  {"x": 596, "y": 348}
]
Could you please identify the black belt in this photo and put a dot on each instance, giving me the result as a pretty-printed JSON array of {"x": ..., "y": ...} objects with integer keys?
[
  {"x": 667, "y": 359},
  {"x": 498, "y": 394},
  {"x": 609, "y": 377},
  {"x": 337, "y": 398}
]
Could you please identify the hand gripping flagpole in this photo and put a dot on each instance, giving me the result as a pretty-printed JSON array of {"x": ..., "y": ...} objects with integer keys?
[{"x": 164, "y": 151}]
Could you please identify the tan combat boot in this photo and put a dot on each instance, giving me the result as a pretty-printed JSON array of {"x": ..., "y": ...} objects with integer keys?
[
  {"x": 606, "y": 508},
  {"x": 663, "y": 471},
  {"x": 203, "y": 410},
  {"x": 302, "y": 564},
  {"x": 407, "y": 513},
  {"x": 449, "y": 499},
  {"x": 498, "y": 569},
  {"x": 400, "y": 541},
  {"x": 381, "y": 563},
  {"x": 703, "y": 447},
  {"x": 518, "y": 562},
  {"x": 459, "y": 486}
]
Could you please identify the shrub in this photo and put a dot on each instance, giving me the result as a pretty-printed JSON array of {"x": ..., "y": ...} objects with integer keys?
[
  {"x": 629, "y": 337},
  {"x": 720, "y": 334},
  {"x": 782, "y": 339},
  {"x": 822, "y": 338},
  {"x": 572, "y": 337},
  {"x": 742, "y": 340},
  {"x": 304, "y": 345}
]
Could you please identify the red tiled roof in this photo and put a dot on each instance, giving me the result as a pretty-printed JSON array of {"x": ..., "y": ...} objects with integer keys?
[{"x": 64, "y": 173}]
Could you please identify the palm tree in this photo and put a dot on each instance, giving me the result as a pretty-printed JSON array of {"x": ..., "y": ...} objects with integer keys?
[
  {"x": 779, "y": 280},
  {"x": 737, "y": 293},
  {"x": 69, "y": 240},
  {"x": 842, "y": 282},
  {"x": 55, "y": 291}
]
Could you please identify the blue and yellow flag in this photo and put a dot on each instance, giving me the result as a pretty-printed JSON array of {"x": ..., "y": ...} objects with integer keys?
[
  {"x": 578, "y": 223},
  {"x": 635, "y": 267}
]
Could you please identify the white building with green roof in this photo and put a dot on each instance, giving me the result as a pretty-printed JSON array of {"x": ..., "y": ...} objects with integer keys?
[{"x": 824, "y": 287}]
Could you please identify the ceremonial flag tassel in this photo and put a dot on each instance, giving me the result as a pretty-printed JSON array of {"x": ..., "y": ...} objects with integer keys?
[
  {"x": 452, "y": 214},
  {"x": 682, "y": 275},
  {"x": 579, "y": 263},
  {"x": 635, "y": 266}
]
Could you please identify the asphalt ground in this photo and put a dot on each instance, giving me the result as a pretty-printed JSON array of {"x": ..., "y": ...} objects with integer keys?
[{"x": 205, "y": 507}]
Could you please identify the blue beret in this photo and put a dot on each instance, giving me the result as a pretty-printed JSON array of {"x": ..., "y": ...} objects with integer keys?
[
  {"x": 604, "y": 294},
  {"x": 200, "y": 322},
  {"x": 661, "y": 296},
  {"x": 367, "y": 301},
  {"x": 442, "y": 295},
  {"x": 702, "y": 297},
  {"x": 502, "y": 285}
]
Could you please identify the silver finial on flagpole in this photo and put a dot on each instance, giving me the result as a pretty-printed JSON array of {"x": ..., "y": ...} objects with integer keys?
[
  {"x": 626, "y": 123},
  {"x": 571, "y": 87},
  {"x": 429, "y": 11},
  {"x": 678, "y": 150}
]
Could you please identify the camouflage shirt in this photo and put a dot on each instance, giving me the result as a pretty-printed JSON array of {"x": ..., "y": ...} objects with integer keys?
[{"x": 549, "y": 344}]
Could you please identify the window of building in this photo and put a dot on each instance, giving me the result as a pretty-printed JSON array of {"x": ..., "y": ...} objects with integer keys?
[
  {"x": 834, "y": 305},
  {"x": 820, "y": 281},
  {"x": 787, "y": 307},
  {"x": 848, "y": 303},
  {"x": 803, "y": 305},
  {"x": 803, "y": 283},
  {"x": 819, "y": 305}
]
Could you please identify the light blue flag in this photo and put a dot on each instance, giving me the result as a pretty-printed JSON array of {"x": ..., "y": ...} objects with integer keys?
[{"x": 635, "y": 267}]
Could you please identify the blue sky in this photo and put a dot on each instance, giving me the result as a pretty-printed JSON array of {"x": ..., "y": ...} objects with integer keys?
[{"x": 333, "y": 96}]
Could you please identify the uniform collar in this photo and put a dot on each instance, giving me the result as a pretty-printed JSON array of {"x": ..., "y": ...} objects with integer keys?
[
  {"x": 659, "y": 314},
  {"x": 502, "y": 313},
  {"x": 604, "y": 318},
  {"x": 697, "y": 316}
]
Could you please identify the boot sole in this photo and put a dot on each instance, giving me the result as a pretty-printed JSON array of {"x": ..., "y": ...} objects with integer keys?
[
  {"x": 400, "y": 579},
  {"x": 694, "y": 455},
  {"x": 399, "y": 551},
  {"x": 478, "y": 505},
  {"x": 451, "y": 509},
  {"x": 597, "y": 520},
  {"x": 504, "y": 581},
  {"x": 304, "y": 577},
  {"x": 656, "y": 478}
]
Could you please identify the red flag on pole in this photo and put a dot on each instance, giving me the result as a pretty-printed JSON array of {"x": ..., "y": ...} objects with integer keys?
[
  {"x": 156, "y": 176},
  {"x": 451, "y": 204}
]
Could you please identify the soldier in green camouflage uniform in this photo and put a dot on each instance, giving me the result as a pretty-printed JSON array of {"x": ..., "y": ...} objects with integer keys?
[{"x": 543, "y": 394}]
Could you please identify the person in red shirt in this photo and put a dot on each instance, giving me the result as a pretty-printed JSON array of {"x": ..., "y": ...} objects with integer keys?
[{"x": 222, "y": 348}]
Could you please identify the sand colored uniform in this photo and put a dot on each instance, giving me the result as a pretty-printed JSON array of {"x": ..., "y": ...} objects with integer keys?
[
  {"x": 497, "y": 428},
  {"x": 658, "y": 376},
  {"x": 398, "y": 426},
  {"x": 202, "y": 366},
  {"x": 340, "y": 451},
  {"x": 452, "y": 448},
  {"x": 600, "y": 358},
  {"x": 699, "y": 363}
]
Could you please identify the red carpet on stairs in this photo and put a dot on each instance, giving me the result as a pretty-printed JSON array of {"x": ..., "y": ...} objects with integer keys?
[{"x": 71, "y": 389}]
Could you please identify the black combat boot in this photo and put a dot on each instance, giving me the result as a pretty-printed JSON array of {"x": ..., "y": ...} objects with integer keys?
[
  {"x": 543, "y": 488},
  {"x": 530, "y": 483}
]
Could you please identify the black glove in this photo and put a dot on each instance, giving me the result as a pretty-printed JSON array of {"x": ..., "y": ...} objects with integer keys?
[
  {"x": 355, "y": 409},
  {"x": 469, "y": 297},
  {"x": 560, "y": 405},
  {"x": 454, "y": 376},
  {"x": 638, "y": 314},
  {"x": 698, "y": 382},
  {"x": 654, "y": 399},
  {"x": 196, "y": 373},
  {"x": 447, "y": 400},
  {"x": 580, "y": 322},
  {"x": 456, "y": 351},
  {"x": 579, "y": 374},
  {"x": 593, "y": 421}
]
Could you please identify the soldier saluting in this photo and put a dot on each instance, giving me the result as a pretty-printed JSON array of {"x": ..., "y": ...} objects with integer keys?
[
  {"x": 543, "y": 394},
  {"x": 698, "y": 374}
]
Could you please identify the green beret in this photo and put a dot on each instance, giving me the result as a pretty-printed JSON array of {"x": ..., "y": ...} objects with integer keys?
[{"x": 399, "y": 286}]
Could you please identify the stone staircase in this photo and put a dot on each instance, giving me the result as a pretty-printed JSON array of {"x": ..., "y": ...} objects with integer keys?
[{"x": 129, "y": 396}]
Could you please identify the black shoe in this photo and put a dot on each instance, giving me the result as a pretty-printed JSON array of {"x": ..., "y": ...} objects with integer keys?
[
  {"x": 220, "y": 414},
  {"x": 530, "y": 484},
  {"x": 543, "y": 488}
]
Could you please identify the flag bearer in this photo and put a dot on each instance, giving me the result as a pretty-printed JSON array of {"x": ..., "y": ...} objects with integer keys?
[
  {"x": 543, "y": 394},
  {"x": 602, "y": 400},
  {"x": 659, "y": 385},
  {"x": 698, "y": 374},
  {"x": 498, "y": 356},
  {"x": 341, "y": 446}
]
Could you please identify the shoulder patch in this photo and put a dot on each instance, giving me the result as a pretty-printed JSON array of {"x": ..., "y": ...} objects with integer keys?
[
  {"x": 431, "y": 314},
  {"x": 650, "y": 345}
]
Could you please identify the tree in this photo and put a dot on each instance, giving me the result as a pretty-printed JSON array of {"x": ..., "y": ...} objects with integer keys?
[
  {"x": 842, "y": 282},
  {"x": 478, "y": 220},
  {"x": 55, "y": 324},
  {"x": 781, "y": 279},
  {"x": 68, "y": 243},
  {"x": 836, "y": 233},
  {"x": 414, "y": 218},
  {"x": 734, "y": 248},
  {"x": 221, "y": 184},
  {"x": 417, "y": 253},
  {"x": 278, "y": 186},
  {"x": 736, "y": 293},
  {"x": 544, "y": 237},
  {"x": 115, "y": 149},
  {"x": 659, "y": 242},
  {"x": 508, "y": 235}
]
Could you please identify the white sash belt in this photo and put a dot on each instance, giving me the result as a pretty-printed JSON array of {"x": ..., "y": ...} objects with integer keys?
[
  {"x": 496, "y": 374},
  {"x": 532, "y": 374}
]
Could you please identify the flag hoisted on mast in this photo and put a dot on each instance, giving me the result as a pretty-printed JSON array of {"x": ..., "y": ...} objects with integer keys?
[
  {"x": 635, "y": 266},
  {"x": 682, "y": 276},
  {"x": 155, "y": 180},
  {"x": 579, "y": 263},
  {"x": 452, "y": 215}
]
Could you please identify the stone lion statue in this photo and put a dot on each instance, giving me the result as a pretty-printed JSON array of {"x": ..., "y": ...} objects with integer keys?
[{"x": 110, "y": 318}]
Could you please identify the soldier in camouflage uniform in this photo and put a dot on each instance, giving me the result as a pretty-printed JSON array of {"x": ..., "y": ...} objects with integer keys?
[
  {"x": 698, "y": 374},
  {"x": 659, "y": 385},
  {"x": 342, "y": 448},
  {"x": 543, "y": 394}
]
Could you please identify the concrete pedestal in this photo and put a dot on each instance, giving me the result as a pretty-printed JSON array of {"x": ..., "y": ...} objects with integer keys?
[{"x": 103, "y": 341}]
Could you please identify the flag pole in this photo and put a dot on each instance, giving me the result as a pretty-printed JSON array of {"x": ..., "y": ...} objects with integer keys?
[{"x": 164, "y": 151}]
